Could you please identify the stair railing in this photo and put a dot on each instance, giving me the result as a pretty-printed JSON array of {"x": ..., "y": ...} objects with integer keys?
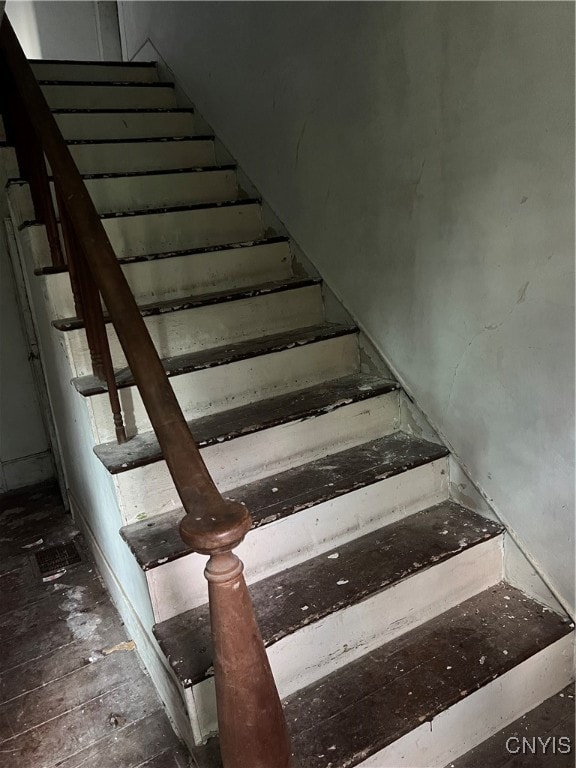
[{"x": 252, "y": 727}]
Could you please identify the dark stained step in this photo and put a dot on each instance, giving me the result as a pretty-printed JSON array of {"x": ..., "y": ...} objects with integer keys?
[
  {"x": 107, "y": 83},
  {"x": 210, "y": 358},
  {"x": 182, "y": 208},
  {"x": 363, "y": 707},
  {"x": 83, "y": 62},
  {"x": 161, "y": 172},
  {"x": 202, "y": 300},
  {"x": 247, "y": 419},
  {"x": 175, "y": 254},
  {"x": 157, "y": 541},
  {"x": 542, "y": 738},
  {"x": 239, "y": 203},
  {"x": 150, "y": 140},
  {"x": 307, "y": 592},
  {"x": 119, "y": 110}
]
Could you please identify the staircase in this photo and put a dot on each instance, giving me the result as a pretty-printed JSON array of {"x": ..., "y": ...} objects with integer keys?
[{"x": 393, "y": 634}]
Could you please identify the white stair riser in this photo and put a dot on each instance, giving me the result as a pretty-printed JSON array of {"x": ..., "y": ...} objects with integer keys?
[
  {"x": 194, "y": 399},
  {"x": 321, "y": 648},
  {"x": 119, "y": 157},
  {"x": 125, "y": 125},
  {"x": 483, "y": 713},
  {"x": 8, "y": 163},
  {"x": 138, "y": 192},
  {"x": 109, "y": 96},
  {"x": 188, "y": 275},
  {"x": 212, "y": 325},
  {"x": 129, "y": 193},
  {"x": 167, "y": 231},
  {"x": 262, "y": 454},
  {"x": 133, "y": 236},
  {"x": 179, "y": 585},
  {"x": 73, "y": 70}
]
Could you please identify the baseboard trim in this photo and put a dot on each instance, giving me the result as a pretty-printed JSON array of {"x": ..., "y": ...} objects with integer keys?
[
  {"x": 148, "y": 650},
  {"x": 28, "y": 470}
]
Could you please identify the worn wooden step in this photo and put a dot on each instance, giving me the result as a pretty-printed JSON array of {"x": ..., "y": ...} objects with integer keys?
[
  {"x": 325, "y": 612},
  {"x": 253, "y": 417},
  {"x": 100, "y": 94},
  {"x": 542, "y": 738},
  {"x": 275, "y": 443},
  {"x": 123, "y": 71},
  {"x": 195, "y": 323},
  {"x": 255, "y": 370},
  {"x": 109, "y": 156},
  {"x": 125, "y": 123},
  {"x": 127, "y": 192},
  {"x": 298, "y": 513},
  {"x": 431, "y": 694},
  {"x": 136, "y": 233},
  {"x": 190, "y": 272},
  {"x": 157, "y": 542}
]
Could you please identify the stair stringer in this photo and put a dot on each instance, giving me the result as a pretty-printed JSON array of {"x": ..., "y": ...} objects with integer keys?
[{"x": 92, "y": 497}]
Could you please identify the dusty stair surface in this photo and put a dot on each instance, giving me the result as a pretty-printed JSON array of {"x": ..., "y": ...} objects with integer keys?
[{"x": 392, "y": 633}]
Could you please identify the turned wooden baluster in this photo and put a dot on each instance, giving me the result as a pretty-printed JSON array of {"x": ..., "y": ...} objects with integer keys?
[
  {"x": 89, "y": 309},
  {"x": 251, "y": 725},
  {"x": 32, "y": 164}
]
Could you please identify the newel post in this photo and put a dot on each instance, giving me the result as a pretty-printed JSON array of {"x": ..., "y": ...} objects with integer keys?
[{"x": 251, "y": 724}]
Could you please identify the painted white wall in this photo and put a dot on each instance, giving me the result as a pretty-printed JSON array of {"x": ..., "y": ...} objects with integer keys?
[
  {"x": 422, "y": 155},
  {"x": 24, "y": 449},
  {"x": 25, "y": 454},
  {"x": 60, "y": 29}
]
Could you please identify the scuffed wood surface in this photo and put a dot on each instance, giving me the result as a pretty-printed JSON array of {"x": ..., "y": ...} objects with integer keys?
[
  {"x": 552, "y": 720},
  {"x": 307, "y": 592},
  {"x": 363, "y": 707}
]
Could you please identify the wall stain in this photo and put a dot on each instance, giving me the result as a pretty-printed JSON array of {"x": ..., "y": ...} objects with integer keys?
[
  {"x": 299, "y": 142},
  {"x": 522, "y": 293}
]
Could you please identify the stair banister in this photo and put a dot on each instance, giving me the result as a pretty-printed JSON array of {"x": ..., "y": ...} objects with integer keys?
[{"x": 253, "y": 732}]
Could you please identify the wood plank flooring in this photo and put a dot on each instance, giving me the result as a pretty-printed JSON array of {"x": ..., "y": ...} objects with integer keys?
[{"x": 72, "y": 690}]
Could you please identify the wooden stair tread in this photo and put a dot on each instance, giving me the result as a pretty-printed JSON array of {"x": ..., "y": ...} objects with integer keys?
[
  {"x": 247, "y": 419},
  {"x": 118, "y": 110},
  {"x": 144, "y": 140},
  {"x": 200, "y": 300},
  {"x": 96, "y": 63},
  {"x": 176, "y": 253},
  {"x": 158, "y": 211},
  {"x": 162, "y": 172},
  {"x": 309, "y": 591},
  {"x": 116, "y": 83},
  {"x": 156, "y": 541},
  {"x": 182, "y": 208},
  {"x": 370, "y": 703},
  {"x": 210, "y": 358},
  {"x": 554, "y": 717}
]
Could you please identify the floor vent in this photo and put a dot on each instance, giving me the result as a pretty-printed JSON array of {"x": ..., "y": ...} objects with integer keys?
[{"x": 56, "y": 558}]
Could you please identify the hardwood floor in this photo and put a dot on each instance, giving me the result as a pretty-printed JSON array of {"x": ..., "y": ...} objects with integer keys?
[{"x": 72, "y": 690}]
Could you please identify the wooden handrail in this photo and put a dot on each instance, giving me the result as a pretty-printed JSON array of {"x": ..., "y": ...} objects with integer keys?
[{"x": 253, "y": 731}]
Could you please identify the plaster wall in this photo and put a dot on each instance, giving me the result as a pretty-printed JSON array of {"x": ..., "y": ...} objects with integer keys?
[
  {"x": 63, "y": 29},
  {"x": 25, "y": 454},
  {"x": 422, "y": 155}
]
